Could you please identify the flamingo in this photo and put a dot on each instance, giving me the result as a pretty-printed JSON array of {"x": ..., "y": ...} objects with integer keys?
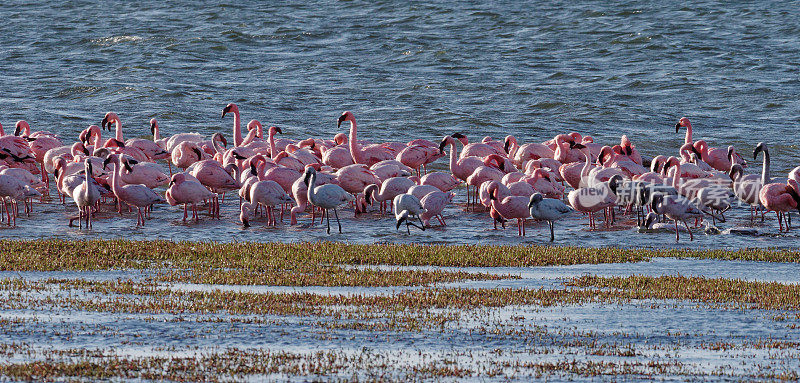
[
  {"x": 443, "y": 181},
  {"x": 150, "y": 148},
  {"x": 421, "y": 191},
  {"x": 368, "y": 155},
  {"x": 146, "y": 173},
  {"x": 477, "y": 149},
  {"x": 183, "y": 190},
  {"x": 510, "y": 207},
  {"x": 326, "y": 197},
  {"x": 719, "y": 159},
  {"x": 118, "y": 142},
  {"x": 354, "y": 178},
  {"x": 39, "y": 142},
  {"x": 434, "y": 204},
  {"x": 530, "y": 151},
  {"x": 134, "y": 194},
  {"x": 405, "y": 206},
  {"x": 548, "y": 209},
  {"x": 387, "y": 190},
  {"x": 85, "y": 196},
  {"x": 237, "y": 123},
  {"x": 678, "y": 209},
  {"x": 269, "y": 194}
]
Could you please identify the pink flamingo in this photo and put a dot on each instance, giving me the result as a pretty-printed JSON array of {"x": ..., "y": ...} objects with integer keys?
[
  {"x": 719, "y": 159},
  {"x": 269, "y": 194},
  {"x": 565, "y": 149},
  {"x": 511, "y": 207},
  {"x": 184, "y": 191},
  {"x": 485, "y": 172},
  {"x": 213, "y": 176},
  {"x": 300, "y": 193},
  {"x": 137, "y": 195},
  {"x": 368, "y": 155},
  {"x": 149, "y": 147},
  {"x": 85, "y": 196},
  {"x": 417, "y": 156},
  {"x": 421, "y": 191},
  {"x": 434, "y": 204},
  {"x": 530, "y": 151},
  {"x": 444, "y": 181},
  {"x": 146, "y": 173},
  {"x": 388, "y": 189},
  {"x": 39, "y": 142},
  {"x": 355, "y": 178},
  {"x": 237, "y": 123},
  {"x": 684, "y": 123},
  {"x": 477, "y": 149},
  {"x": 678, "y": 209},
  {"x": 119, "y": 143},
  {"x": 591, "y": 200},
  {"x": 461, "y": 168}
]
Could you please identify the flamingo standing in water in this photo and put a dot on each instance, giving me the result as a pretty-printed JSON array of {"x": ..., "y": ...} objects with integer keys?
[
  {"x": 137, "y": 195},
  {"x": 40, "y": 143},
  {"x": 186, "y": 191},
  {"x": 548, "y": 209},
  {"x": 86, "y": 195},
  {"x": 510, "y": 207},
  {"x": 326, "y": 197},
  {"x": 434, "y": 204}
]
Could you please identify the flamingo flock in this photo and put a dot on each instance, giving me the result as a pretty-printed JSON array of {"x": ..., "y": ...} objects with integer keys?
[{"x": 276, "y": 176}]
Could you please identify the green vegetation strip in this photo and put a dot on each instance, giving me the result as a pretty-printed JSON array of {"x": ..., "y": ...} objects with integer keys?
[
  {"x": 323, "y": 276},
  {"x": 729, "y": 292}
]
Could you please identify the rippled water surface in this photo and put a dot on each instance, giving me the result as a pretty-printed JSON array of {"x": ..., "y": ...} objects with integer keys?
[{"x": 409, "y": 70}]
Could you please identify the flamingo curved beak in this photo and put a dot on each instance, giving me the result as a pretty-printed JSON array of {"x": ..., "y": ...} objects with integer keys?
[
  {"x": 340, "y": 120},
  {"x": 677, "y": 127},
  {"x": 226, "y": 110}
]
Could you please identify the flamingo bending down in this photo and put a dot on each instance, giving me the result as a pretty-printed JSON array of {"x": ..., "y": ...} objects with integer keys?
[
  {"x": 269, "y": 194},
  {"x": 678, "y": 209},
  {"x": 434, "y": 204},
  {"x": 86, "y": 195},
  {"x": 327, "y": 197},
  {"x": 548, "y": 209},
  {"x": 510, "y": 207},
  {"x": 405, "y": 206},
  {"x": 387, "y": 190}
]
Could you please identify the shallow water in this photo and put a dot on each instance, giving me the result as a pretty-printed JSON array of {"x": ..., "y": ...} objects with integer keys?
[
  {"x": 683, "y": 333},
  {"x": 409, "y": 70}
]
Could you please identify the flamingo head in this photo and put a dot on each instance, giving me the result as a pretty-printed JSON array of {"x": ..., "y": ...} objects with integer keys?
[
  {"x": 656, "y": 163},
  {"x": 672, "y": 161},
  {"x": 244, "y": 215},
  {"x": 535, "y": 199},
  {"x": 153, "y": 126},
  {"x": 613, "y": 183},
  {"x": 605, "y": 151},
  {"x": 198, "y": 152},
  {"x": 761, "y": 147},
  {"x": 683, "y": 122},
  {"x": 346, "y": 116},
  {"x": 108, "y": 119},
  {"x": 340, "y": 138},
  {"x": 508, "y": 143},
  {"x": 460, "y": 137},
  {"x": 445, "y": 141},
  {"x": 494, "y": 160},
  {"x": 111, "y": 158},
  {"x": 218, "y": 137},
  {"x": 253, "y": 124},
  {"x": 369, "y": 193},
  {"x": 230, "y": 108},
  {"x": 736, "y": 172},
  {"x": 308, "y": 174},
  {"x": 650, "y": 219},
  {"x": 177, "y": 179},
  {"x": 22, "y": 127}
]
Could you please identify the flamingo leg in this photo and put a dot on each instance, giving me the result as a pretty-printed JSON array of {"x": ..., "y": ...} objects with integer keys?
[
  {"x": 691, "y": 236},
  {"x": 328, "y": 216},
  {"x": 184, "y": 212},
  {"x": 337, "y": 219},
  {"x": 552, "y": 233},
  {"x": 677, "y": 236}
]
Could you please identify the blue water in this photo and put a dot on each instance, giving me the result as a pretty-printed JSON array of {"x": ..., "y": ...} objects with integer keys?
[{"x": 409, "y": 70}]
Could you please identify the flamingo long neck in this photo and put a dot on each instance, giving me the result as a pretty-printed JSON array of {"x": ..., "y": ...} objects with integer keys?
[
  {"x": 453, "y": 157},
  {"x": 688, "y": 139},
  {"x": 271, "y": 138},
  {"x": 586, "y": 166},
  {"x": 2, "y": 132},
  {"x": 156, "y": 133},
  {"x": 237, "y": 128},
  {"x": 355, "y": 151},
  {"x": 765, "y": 178},
  {"x": 115, "y": 179},
  {"x": 118, "y": 124},
  {"x": 676, "y": 178},
  {"x": 312, "y": 184}
]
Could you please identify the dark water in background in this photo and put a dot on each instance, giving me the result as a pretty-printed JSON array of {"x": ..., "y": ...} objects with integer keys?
[{"x": 408, "y": 70}]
